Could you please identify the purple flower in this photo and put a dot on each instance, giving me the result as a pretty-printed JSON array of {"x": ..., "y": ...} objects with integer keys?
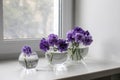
[
  {"x": 78, "y": 30},
  {"x": 87, "y": 40},
  {"x": 52, "y": 39},
  {"x": 70, "y": 36},
  {"x": 79, "y": 37},
  {"x": 27, "y": 50},
  {"x": 44, "y": 45},
  {"x": 86, "y": 33},
  {"x": 62, "y": 45}
]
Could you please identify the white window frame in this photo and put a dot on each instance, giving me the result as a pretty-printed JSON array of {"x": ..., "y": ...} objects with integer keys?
[{"x": 11, "y": 49}]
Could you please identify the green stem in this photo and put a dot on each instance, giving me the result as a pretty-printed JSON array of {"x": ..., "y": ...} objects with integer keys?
[
  {"x": 71, "y": 56},
  {"x": 73, "y": 52},
  {"x": 80, "y": 54},
  {"x": 51, "y": 57},
  {"x": 77, "y": 54},
  {"x": 25, "y": 62}
]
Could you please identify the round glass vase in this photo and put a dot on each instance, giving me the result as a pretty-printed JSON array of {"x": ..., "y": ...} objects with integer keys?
[
  {"x": 56, "y": 57},
  {"x": 77, "y": 54},
  {"x": 28, "y": 61}
]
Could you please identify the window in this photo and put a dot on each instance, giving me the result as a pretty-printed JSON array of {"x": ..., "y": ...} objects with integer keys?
[
  {"x": 29, "y": 18},
  {"x": 26, "y": 21}
]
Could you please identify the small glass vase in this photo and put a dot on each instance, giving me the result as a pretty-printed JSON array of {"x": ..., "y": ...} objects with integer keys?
[
  {"x": 78, "y": 54},
  {"x": 56, "y": 57},
  {"x": 56, "y": 60},
  {"x": 28, "y": 62}
]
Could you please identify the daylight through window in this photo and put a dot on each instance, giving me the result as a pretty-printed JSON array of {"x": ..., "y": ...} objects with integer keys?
[{"x": 25, "y": 19}]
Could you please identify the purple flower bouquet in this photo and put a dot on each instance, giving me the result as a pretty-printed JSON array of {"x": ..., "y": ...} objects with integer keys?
[
  {"x": 77, "y": 38},
  {"x": 28, "y": 59},
  {"x": 55, "y": 49}
]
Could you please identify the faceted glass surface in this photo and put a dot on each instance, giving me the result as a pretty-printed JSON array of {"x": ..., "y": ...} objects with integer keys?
[
  {"x": 56, "y": 57},
  {"x": 28, "y": 62}
]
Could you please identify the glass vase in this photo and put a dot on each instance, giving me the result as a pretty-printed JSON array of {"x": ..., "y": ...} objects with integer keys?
[
  {"x": 28, "y": 62},
  {"x": 77, "y": 54},
  {"x": 56, "y": 57},
  {"x": 56, "y": 60}
]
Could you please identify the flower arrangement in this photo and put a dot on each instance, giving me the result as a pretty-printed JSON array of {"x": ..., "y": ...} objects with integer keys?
[
  {"x": 78, "y": 37},
  {"x": 28, "y": 58},
  {"x": 26, "y": 51},
  {"x": 53, "y": 44},
  {"x": 75, "y": 38}
]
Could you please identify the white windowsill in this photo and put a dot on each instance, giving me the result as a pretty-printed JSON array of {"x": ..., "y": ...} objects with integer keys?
[{"x": 11, "y": 70}]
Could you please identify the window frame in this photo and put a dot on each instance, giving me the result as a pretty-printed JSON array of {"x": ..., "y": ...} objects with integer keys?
[{"x": 10, "y": 49}]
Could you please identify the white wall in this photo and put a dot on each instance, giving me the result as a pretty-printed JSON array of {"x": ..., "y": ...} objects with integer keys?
[{"x": 102, "y": 19}]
